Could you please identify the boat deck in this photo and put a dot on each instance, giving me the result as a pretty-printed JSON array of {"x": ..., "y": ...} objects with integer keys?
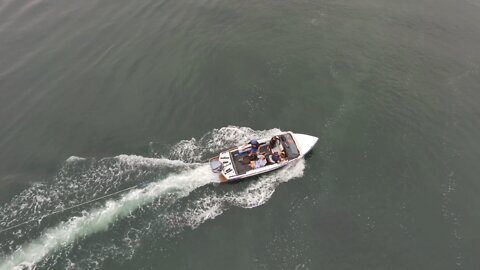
[{"x": 241, "y": 161}]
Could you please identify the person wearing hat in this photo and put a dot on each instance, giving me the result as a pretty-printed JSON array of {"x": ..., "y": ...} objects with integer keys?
[{"x": 254, "y": 146}]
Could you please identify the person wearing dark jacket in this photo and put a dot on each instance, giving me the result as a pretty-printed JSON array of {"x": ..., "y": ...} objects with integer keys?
[
  {"x": 275, "y": 158},
  {"x": 254, "y": 146},
  {"x": 274, "y": 142}
]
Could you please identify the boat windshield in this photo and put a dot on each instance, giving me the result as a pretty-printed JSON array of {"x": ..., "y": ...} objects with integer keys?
[{"x": 289, "y": 146}]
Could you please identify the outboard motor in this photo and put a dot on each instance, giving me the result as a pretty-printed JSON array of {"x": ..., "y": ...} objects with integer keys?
[{"x": 216, "y": 165}]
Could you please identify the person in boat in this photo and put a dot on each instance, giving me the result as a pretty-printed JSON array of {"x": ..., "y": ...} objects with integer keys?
[
  {"x": 276, "y": 158},
  {"x": 274, "y": 143},
  {"x": 254, "y": 146},
  {"x": 260, "y": 162}
]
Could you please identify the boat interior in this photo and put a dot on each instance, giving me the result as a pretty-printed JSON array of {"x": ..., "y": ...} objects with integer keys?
[{"x": 241, "y": 161}]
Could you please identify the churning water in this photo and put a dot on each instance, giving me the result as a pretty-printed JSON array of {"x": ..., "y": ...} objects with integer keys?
[{"x": 168, "y": 180}]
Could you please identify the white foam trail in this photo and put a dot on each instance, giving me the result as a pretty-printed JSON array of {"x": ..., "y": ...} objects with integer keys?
[
  {"x": 177, "y": 185},
  {"x": 217, "y": 140},
  {"x": 138, "y": 161},
  {"x": 74, "y": 158},
  {"x": 257, "y": 193},
  {"x": 72, "y": 187},
  {"x": 81, "y": 179}
]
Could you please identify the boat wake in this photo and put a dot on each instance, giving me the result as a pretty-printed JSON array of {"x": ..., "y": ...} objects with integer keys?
[{"x": 169, "y": 201}]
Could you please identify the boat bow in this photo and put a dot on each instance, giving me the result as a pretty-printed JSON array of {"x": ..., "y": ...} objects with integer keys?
[{"x": 304, "y": 142}]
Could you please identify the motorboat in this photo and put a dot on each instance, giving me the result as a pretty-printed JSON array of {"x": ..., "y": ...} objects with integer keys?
[{"x": 234, "y": 164}]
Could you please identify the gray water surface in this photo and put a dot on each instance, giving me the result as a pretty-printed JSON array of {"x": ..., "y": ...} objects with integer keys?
[{"x": 93, "y": 93}]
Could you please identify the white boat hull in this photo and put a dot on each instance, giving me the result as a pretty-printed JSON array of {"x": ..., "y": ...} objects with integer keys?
[{"x": 297, "y": 146}]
